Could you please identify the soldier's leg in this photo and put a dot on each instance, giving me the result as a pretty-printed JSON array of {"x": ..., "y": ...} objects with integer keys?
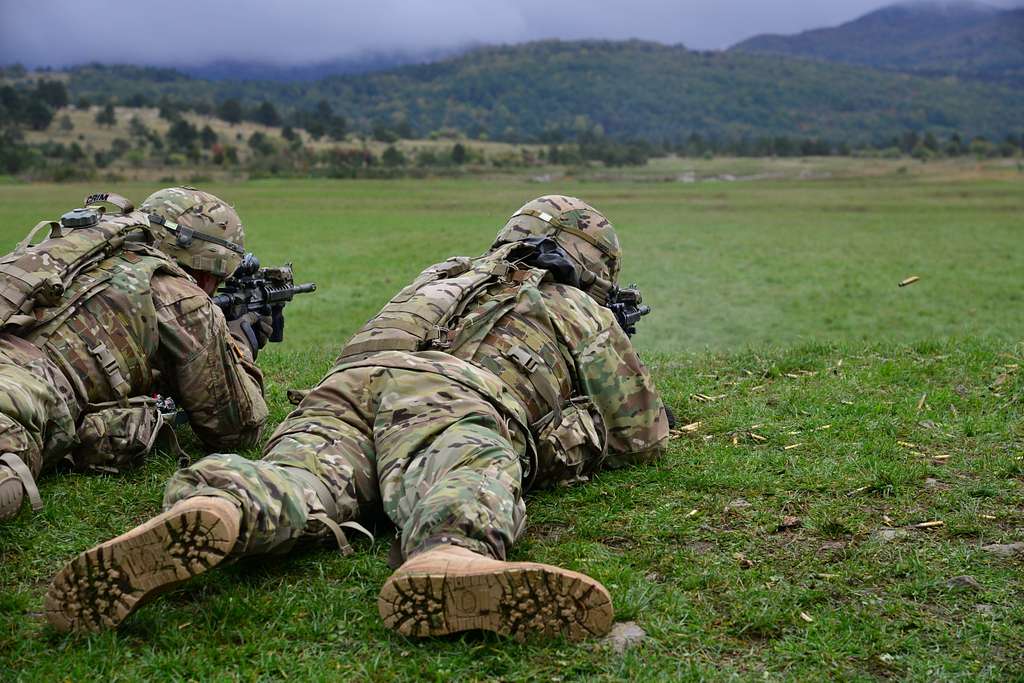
[
  {"x": 451, "y": 480},
  {"x": 449, "y": 472},
  {"x": 318, "y": 471},
  {"x": 37, "y": 423}
]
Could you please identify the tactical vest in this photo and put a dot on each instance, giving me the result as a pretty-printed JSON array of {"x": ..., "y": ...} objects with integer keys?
[
  {"x": 40, "y": 274},
  {"x": 49, "y": 296},
  {"x": 454, "y": 307},
  {"x": 489, "y": 311},
  {"x": 104, "y": 334}
]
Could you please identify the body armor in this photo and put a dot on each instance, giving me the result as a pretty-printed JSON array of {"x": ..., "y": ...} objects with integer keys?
[{"x": 461, "y": 307}]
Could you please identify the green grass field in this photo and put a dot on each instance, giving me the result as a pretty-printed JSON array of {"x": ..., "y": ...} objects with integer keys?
[{"x": 819, "y": 391}]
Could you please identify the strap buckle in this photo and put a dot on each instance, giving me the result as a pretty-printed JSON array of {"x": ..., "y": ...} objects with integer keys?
[
  {"x": 110, "y": 367},
  {"x": 183, "y": 237},
  {"x": 524, "y": 358},
  {"x": 439, "y": 337}
]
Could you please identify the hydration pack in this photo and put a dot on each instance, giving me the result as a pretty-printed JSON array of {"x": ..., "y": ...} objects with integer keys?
[
  {"x": 38, "y": 275},
  {"x": 428, "y": 314}
]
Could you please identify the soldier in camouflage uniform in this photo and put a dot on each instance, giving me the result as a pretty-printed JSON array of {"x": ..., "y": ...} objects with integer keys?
[
  {"x": 77, "y": 375},
  {"x": 482, "y": 378}
]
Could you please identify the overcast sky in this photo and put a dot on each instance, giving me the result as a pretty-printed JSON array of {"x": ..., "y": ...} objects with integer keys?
[{"x": 192, "y": 32}]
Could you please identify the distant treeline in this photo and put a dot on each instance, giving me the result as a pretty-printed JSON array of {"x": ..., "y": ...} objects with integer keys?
[
  {"x": 966, "y": 40},
  {"x": 284, "y": 153},
  {"x": 919, "y": 145},
  {"x": 554, "y": 92}
]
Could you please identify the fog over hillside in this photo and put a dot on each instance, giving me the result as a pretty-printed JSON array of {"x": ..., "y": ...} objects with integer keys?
[{"x": 195, "y": 33}]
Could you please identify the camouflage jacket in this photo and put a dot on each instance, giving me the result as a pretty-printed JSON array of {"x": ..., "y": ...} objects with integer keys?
[
  {"x": 572, "y": 371},
  {"x": 137, "y": 325}
]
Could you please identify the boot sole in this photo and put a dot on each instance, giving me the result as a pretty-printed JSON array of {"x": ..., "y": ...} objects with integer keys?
[
  {"x": 515, "y": 600},
  {"x": 102, "y": 586},
  {"x": 11, "y": 494}
]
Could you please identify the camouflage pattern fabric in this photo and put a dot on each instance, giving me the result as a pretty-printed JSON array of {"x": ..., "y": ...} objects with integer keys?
[
  {"x": 38, "y": 410},
  {"x": 204, "y": 213},
  {"x": 116, "y": 438},
  {"x": 580, "y": 229},
  {"x": 444, "y": 443},
  {"x": 209, "y": 372},
  {"x": 36, "y": 274},
  {"x": 133, "y": 326},
  {"x": 435, "y": 456}
]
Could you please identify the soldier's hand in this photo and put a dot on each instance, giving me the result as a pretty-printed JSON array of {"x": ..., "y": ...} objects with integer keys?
[{"x": 254, "y": 328}]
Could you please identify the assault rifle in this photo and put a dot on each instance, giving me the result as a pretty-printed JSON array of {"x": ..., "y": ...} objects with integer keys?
[
  {"x": 627, "y": 304},
  {"x": 261, "y": 290}
]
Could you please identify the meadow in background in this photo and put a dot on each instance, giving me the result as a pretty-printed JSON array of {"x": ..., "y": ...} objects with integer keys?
[{"x": 834, "y": 419}]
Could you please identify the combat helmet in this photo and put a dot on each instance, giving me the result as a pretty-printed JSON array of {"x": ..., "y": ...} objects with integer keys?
[
  {"x": 201, "y": 232},
  {"x": 580, "y": 229}
]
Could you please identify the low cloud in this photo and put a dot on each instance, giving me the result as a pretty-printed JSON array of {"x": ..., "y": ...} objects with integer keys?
[{"x": 194, "y": 32}]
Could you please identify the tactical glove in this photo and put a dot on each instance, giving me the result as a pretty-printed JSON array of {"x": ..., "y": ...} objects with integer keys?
[
  {"x": 671, "y": 417},
  {"x": 254, "y": 328}
]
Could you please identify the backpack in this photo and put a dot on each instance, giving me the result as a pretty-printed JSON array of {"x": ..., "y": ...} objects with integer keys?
[
  {"x": 428, "y": 314},
  {"x": 39, "y": 274}
]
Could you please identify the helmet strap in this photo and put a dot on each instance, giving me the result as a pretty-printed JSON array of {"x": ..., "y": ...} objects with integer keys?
[
  {"x": 184, "y": 235},
  {"x": 557, "y": 225}
]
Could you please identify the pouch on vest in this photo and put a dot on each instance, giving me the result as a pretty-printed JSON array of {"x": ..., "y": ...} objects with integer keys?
[
  {"x": 39, "y": 274},
  {"x": 571, "y": 445},
  {"x": 116, "y": 439}
]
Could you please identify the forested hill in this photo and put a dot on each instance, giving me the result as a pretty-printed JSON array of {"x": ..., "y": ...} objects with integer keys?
[
  {"x": 556, "y": 90},
  {"x": 965, "y": 39}
]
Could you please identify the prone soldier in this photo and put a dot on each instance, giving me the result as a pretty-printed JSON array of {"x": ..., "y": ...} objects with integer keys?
[
  {"x": 109, "y": 310},
  {"x": 482, "y": 378}
]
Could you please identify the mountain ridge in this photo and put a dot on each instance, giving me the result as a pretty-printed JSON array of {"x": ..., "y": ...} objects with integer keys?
[{"x": 963, "y": 39}]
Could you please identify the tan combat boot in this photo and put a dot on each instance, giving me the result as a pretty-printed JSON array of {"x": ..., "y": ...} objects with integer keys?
[
  {"x": 103, "y": 585},
  {"x": 449, "y": 589},
  {"x": 15, "y": 480}
]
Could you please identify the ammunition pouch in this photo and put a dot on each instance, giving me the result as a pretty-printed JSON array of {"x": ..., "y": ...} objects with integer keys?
[
  {"x": 114, "y": 439},
  {"x": 572, "y": 444}
]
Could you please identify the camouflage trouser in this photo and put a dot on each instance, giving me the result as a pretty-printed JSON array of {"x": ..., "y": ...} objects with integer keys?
[
  {"x": 38, "y": 409},
  {"x": 433, "y": 455}
]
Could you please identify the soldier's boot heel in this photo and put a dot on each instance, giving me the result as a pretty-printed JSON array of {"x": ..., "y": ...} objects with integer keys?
[
  {"x": 103, "y": 585},
  {"x": 15, "y": 481},
  {"x": 449, "y": 589}
]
